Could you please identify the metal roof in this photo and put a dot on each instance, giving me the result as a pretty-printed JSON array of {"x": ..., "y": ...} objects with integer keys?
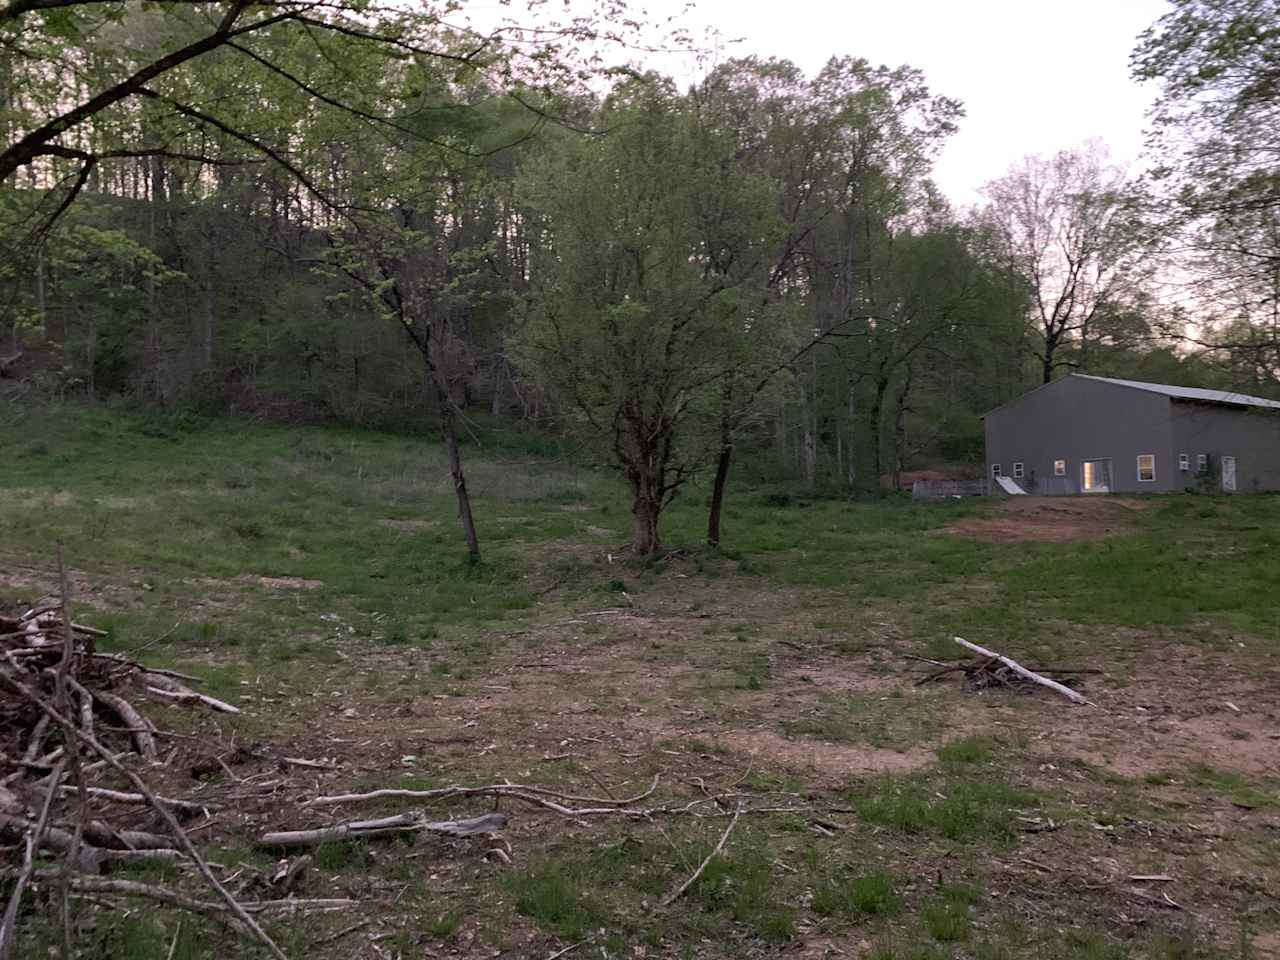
[{"x": 1189, "y": 393}]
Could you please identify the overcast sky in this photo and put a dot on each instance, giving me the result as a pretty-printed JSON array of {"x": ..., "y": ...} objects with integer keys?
[{"x": 1036, "y": 76}]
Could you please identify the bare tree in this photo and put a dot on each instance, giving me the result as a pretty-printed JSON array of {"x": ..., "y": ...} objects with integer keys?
[{"x": 1062, "y": 224}]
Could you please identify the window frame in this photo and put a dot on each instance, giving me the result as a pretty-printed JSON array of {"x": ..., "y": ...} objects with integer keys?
[
  {"x": 1019, "y": 470},
  {"x": 1202, "y": 463},
  {"x": 995, "y": 471},
  {"x": 1060, "y": 468},
  {"x": 1184, "y": 462},
  {"x": 1141, "y": 478}
]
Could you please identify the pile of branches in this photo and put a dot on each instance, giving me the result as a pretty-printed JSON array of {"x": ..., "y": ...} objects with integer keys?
[
  {"x": 986, "y": 672},
  {"x": 51, "y": 657},
  {"x": 70, "y": 719},
  {"x": 992, "y": 669}
]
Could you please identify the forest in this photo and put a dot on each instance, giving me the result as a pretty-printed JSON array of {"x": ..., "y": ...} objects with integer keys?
[{"x": 314, "y": 211}]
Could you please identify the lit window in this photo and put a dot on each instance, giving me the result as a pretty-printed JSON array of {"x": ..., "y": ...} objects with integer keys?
[
  {"x": 1184, "y": 461},
  {"x": 1202, "y": 462},
  {"x": 1059, "y": 468},
  {"x": 1147, "y": 467},
  {"x": 1017, "y": 471},
  {"x": 995, "y": 470}
]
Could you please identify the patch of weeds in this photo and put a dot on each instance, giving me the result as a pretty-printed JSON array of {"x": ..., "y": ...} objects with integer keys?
[
  {"x": 957, "y": 809},
  {"x": 555, "y": 896},
  {"x": 947, "y": 916},
  {"x": 1089, "y": 945},
  {"x": 445, "y": 925},
  {"x": 441, "y": 668},
  {"x": 337, "y": 854},
  {"x": 966, "y": 750},
  {"x": 1236, "y": 787},
  {"x": 868, "y": 895},
  {"x": 146, "y": 936},
  {"x": 742, "y": 887},
  {"x": 397, "y": 635}
]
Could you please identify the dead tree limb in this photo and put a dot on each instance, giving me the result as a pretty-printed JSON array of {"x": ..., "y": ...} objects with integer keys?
[
  {"x": 1024, "y": 672},
  {"x": 402, "y": 823},
  {"x": 493, "y": 790},
  {"x": 676, "y": 894},
  {"x": 34, "y": 839},
  {"x": 140, "y": 785}
]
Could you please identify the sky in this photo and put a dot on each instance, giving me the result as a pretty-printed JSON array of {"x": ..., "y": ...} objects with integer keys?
[{"x": 1036, "y": 76}]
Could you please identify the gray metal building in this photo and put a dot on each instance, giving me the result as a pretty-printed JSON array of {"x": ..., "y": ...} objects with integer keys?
[{"x": 1085, "y": 434}]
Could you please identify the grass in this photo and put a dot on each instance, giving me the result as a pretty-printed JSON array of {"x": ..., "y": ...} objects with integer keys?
[
  {"x": 172, "y": 526},
  {"x": 871, "y": 894},
  {"x": 958, "y": 808},
  {"x": 558, "y": 898}
]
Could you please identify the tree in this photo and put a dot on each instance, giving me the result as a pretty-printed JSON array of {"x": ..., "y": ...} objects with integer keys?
[
  {"x": 1216, "y": 130},
  {"x": 1063, "y": 225},
  {"x": 636, "y": 300}
]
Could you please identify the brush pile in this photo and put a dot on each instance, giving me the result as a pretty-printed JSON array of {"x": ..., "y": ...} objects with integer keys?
[
  {"x": 49, "y": 664},
  {"x": 987, "y": 672},
  {"x": 71, "y": 720}
]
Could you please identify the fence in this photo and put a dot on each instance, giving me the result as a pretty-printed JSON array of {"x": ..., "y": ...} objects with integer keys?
[{"x": 942, "y": 489}]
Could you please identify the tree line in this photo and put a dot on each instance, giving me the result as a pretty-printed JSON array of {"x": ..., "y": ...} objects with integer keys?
[{"x": 335, "y": 209}]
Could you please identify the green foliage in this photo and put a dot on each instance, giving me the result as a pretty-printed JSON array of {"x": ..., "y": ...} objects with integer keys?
[
  {"x": 960, "y": 809},
  {"x": 967, "y": 750},
  {"x": 557, "y": 897},
  {"x": 741, "y": 885},
  {"x": 854, "y": 897},
  {"x": 947, "y": 916}
]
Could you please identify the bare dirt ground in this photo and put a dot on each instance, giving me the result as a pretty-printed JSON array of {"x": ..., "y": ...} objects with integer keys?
[
  {"x": 731, "y": 684},
  {"x": 1051, "y": 520}
]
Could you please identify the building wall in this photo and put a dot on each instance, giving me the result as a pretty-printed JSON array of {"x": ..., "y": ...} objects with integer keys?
[
  {"x": 1074, "y": 419},
  {"x": 1250, "y": 435}
]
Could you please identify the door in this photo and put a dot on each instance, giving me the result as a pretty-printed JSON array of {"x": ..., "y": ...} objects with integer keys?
[
  {"x": 1229, "y": 474},
  {"x": 1095, "y": 476}
]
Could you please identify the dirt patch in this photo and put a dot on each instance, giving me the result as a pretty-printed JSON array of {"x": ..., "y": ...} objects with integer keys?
[
  {"x": 838, "y": 760},
  {"x": 1051, "y": 520}
]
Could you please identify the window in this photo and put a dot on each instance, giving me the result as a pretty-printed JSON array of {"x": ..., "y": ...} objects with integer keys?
[
  {"x": 1202, "y": 462},
  {"x": 1184, "y": 461},
  {"x": 1059, "y": 468},
  {"x": 1017, "y": 471},
  {"x": 1146, "y": 467},
  {"x": 995, "y": 470}
]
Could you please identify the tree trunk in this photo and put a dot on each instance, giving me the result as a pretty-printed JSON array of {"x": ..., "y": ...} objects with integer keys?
[
  {"x": 646, "y": 509},
  {"x": 1050, "y": 346},
  {"x": 877, "y": 439},
  {"x": 448, "y": 429},
  {"x": 717, "y": 494},
  {"x": 900, "y": 431},
  {"x": 41, "y": 305}
]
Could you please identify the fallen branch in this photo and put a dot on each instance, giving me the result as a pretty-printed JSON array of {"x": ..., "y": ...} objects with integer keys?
[
  {"x": 190, "y": 696},
  {"x": 674, "y": 896},
  {"x": 164, "y": 811},
  {"x": 401, "y": 823},
  {"x": 119, "y": 796},
  {"x": 520, "y": 791},
  {"x": 34, "y": 839},
  {"x": 1024, "y": 672}
]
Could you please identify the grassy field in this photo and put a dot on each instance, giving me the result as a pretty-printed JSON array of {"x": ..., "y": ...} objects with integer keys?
[{"x": 316, "y": 576}]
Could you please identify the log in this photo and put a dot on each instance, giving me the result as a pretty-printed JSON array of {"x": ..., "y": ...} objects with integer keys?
[
  {"x": 401, "y": 823},
  {"x": 190, "y": 696},
  {"x": 1023, "y": 672},
  {"x": 139, "y": 727}
]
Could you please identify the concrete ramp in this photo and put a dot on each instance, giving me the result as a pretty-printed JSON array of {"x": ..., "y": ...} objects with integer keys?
[{"x": 1010, "y": 486}]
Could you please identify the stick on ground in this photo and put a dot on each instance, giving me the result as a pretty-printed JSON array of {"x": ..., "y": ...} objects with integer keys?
[
  {"x": 1022, "y": 671},
  {"x": 673, "y": 897}
]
